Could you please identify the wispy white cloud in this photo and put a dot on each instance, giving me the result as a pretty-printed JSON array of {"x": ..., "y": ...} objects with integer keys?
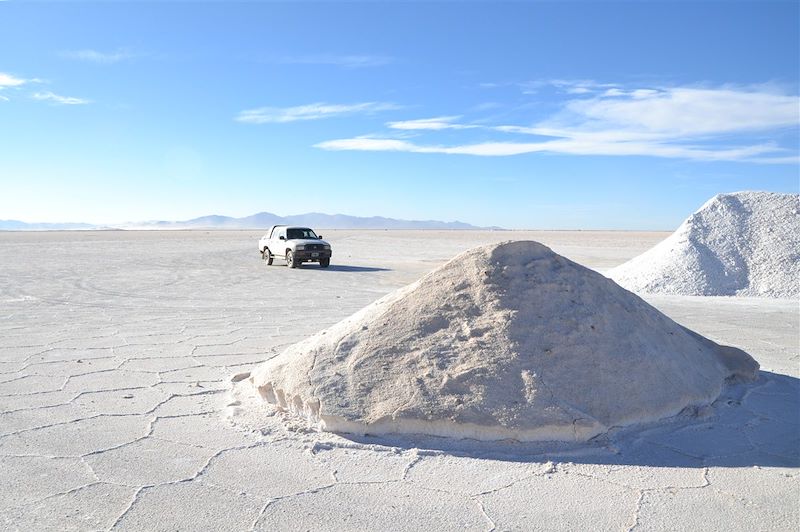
[
  {"x": 579, "y": 90},
  {"x": 7, "y": 80},
  {"x": 372, "y": 144},
  {"x": 486, "y": 106},
  {"x": 346, "y": 61},
  {"x": 94, "y": 56},
  {"x": 678, "y": 112},
  {"x": 567, "y": 146},
  {"x": 434, "y": 124},
  {"x": 579, "y": 86},
  {"x": 48, "y": 96},
  {"x": 314, "y": 111},
  {"x": 13, "y": 83},
  {"x": 568, "y": 86},
  {"x": 678, "y": 122}
]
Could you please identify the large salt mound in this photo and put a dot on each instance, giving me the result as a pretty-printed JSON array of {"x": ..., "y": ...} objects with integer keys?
[
  {"x": 741, "y": 244},
  {"x": 504, "y": 341}
]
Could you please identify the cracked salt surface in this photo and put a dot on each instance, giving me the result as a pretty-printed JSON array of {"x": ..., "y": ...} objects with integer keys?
[{"x": 120, "y": 449}]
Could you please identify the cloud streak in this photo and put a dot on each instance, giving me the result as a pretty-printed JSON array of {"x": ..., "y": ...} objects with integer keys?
[
  {"x": 7, "y": 80},
  {"x": 51, "y": 97},
  {"x": 430, "y": 124},
  {"x": 679, "y": 122},
  {"x": 679, "y": 112},
  {"x": 94, "y": 56},
  {"x": 345, "y": 61},
  {"x": 573, "y": 147},
  {"x": 314, "y": 111}
]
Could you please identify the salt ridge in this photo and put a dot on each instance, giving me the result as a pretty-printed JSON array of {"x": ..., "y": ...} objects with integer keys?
[{"x": 739, "y": 244}]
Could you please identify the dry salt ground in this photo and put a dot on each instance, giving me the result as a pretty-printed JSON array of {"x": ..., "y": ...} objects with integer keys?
[
  {"x": 738, "y": 244},
  {"x": 116, "y": 356}
]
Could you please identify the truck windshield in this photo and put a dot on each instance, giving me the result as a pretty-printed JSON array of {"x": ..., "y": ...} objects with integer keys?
[{"x": 300, "y": 233}]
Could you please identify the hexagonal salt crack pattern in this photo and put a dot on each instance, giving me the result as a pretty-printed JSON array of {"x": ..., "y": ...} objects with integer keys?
[
  {"x": 124, "y": 401},
  {"x": 77, "y": 438},
  {"x": 55, "y": 355},
  {"x": 776, "y": 490},
  {"x": 641, "y": 477},
  {"x": 703, "y": 440},
  {"x": 190, "y": 506},
  {"x": 254, "y": 358},
  {"x": 32, "y": 418},
  {"x": 775, "y": 437},
  {"x": 93, "y": 507},
  {"x": 9, "y": 368},
  {"x": 110, "y": 380},
  {"x": 705, "y": 509},
  {"x": 470, "y": 476},
  {"x": 31, "y": 384},
  {"x": 75, "y": 367},
  {"x": 148, "y": 462},
  {"x": 356, "y": 465},
  {"x": 269, "y": 471},
  {"x": 87, "y": 353},
  {"x": 158, "y": 364},
  {"x": 771, "y": 402},
  {"x": 206, "y": 430},
  {"x": 27, "y": 478},
  {"x": 195, "y": 374},
  {"x": 383, "y": 506},
  {"x": 181, "y": 405},
  {"x": 13, "y": 403},
  {"x": 561, "y": 502}
]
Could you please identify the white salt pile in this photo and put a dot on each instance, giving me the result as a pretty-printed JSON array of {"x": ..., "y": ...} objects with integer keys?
[
  {"x": 504, "y": 341},
  {"x": 741, "y": 244}
]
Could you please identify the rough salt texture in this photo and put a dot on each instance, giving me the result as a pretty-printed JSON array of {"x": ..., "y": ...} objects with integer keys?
[
  {"x": 154, "y": 302},
  {"x": 506, "y": 341},
  {"x": 741, "y": 244}
]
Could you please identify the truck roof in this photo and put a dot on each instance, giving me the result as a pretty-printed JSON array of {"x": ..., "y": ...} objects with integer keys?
[{"x": 272, "y": 228}]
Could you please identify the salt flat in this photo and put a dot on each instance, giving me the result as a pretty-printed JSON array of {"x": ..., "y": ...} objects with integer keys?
[{"x": 117, "y": 348}]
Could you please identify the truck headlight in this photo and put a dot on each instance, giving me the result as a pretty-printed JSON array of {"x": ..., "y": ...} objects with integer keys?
[{"x": 300, "y": 248}]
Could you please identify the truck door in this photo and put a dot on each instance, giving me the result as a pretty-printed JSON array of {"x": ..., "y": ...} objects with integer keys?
[{"x": 276, "y": 245}]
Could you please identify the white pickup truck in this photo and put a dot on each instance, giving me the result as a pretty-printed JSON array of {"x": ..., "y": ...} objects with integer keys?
[{"x": 295, "y": 244}]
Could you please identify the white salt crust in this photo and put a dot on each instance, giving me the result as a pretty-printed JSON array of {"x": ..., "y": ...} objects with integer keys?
[
  {"x": 506, "y": 341},
  {"x": 740, "y": 244}
]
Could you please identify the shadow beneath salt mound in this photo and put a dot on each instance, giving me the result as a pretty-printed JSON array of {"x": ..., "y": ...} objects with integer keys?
[
  {"x": 353, "y": 269},
  {"x": 752, "y": 424}
]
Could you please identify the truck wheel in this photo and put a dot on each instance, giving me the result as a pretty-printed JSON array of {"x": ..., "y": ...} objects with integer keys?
[
  {"x": 324, "y": 262},
  {"x": 290, "y": 261},
  {"x": 268, "y": 256}
]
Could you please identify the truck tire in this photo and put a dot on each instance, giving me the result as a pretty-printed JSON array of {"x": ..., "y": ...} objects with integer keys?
[
  {"x": 290, "y": 260},
  {"x": 268, "y": 256},
  {"x": 324, "y": 263}
]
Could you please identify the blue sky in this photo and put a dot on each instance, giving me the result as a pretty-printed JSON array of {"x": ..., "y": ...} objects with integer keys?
[{"x": 625, "y": 115}]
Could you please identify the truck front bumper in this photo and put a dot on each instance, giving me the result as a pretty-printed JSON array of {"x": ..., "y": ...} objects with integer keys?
[{"x": 313, "y": 255}]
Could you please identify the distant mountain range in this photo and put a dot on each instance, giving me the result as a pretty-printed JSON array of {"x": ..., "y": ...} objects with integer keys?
[
  {"x": 16, "y": 225},
  {"x": 256, "y": 221}
]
